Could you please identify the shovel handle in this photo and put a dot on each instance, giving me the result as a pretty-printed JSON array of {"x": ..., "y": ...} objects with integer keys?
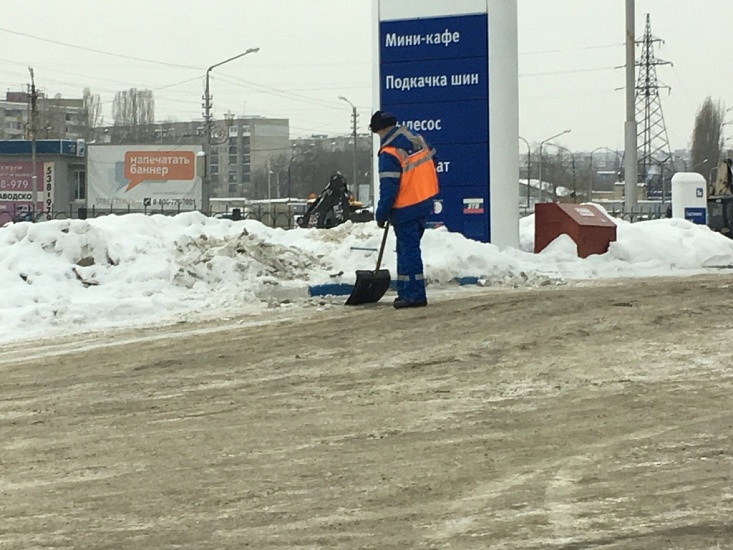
[{"x": 381, "y": 248}]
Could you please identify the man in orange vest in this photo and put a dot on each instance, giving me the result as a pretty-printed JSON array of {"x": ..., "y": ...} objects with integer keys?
[{"x": 408, "y": 182}]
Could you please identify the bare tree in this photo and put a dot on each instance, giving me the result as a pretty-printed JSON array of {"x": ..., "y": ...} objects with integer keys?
[
  {"x": 135, "y": 110},
  {"x": 707, "y": 137},
  {"x": 92, "y": 111}
]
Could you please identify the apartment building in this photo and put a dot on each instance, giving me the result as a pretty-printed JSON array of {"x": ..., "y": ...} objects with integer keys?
[{"x": 58, "y": 118}]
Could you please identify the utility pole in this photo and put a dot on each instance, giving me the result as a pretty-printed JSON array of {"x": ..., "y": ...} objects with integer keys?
[
  {"x": 631, "y": 175},
  {"x": 355, "y": 118},
  {"x": 269, "y": 175},
  {"x": 206, "y": 183},
  {"x": 354, "y": 128},
  {"x": 34, "y": 116}
]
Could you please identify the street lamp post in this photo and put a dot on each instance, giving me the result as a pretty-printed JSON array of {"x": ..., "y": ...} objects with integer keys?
[
  {"x": 290, "y": 166},
  {"x": 529, "y": 154},
  {"x": 540, "y": 163},
  {"x": 572, "y": 157},
  {"x": 696, "y": 165},
  {"x": 354, "y": 118},
  {"x": 592, "y": 174},
  {"x": 206, "y": 190}
]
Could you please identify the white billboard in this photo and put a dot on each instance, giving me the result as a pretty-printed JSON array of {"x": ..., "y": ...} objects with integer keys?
[{"x": 139, "y": 177}]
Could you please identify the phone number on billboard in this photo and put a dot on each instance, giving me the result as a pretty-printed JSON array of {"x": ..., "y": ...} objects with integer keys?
[
  {"x": 15, "y": 184},
  {"x": 166, "y": 202}
]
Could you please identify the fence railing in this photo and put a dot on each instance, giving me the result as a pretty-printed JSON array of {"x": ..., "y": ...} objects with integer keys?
[
  {"x": 639, "y": 214},
  {"x": 284, "y": 216}
]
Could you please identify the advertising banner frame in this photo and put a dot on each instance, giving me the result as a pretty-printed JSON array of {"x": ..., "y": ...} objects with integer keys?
[
  {"x": 17, "y": 199},
  {"x": 144, "y": 176}
]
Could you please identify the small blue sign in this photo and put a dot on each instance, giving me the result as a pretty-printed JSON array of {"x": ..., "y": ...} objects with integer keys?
[
  {"x": 464, "y": 210},
  {"x": 434, "y": 38},
  {"x": 696, "y": 215}
]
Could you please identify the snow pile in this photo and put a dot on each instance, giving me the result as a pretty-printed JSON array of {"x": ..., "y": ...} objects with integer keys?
[{"x": 135, "y": 269}]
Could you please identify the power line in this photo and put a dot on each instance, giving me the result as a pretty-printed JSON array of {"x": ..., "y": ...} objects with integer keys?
[
  {"x": 101, "y": 52},
  {"x": 67, "y": 73},
  {"x": 279, "y": 93},
  {"x": 572, "y": 71},
  {"x": 599, "y": 47}
]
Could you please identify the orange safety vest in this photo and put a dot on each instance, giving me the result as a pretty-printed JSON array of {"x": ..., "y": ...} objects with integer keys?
[{"x": 419, "y": 179}]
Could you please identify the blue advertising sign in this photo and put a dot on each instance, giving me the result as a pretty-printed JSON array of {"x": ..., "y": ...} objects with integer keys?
[
  {"x": 446, "y": 122},
  {"x": 428, "y": 81},
  {"x": 434, "y": 38},
  {"x": 457, "y": 166},
  {"x": 43, "y": 147},
  {"x": 434, "y": 76}
]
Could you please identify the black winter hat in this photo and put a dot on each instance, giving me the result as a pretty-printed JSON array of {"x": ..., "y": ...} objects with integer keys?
[{"x": 381, "y": 120}]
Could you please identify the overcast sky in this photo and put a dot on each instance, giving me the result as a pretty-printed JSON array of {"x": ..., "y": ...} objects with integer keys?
[{"x": 312, "y": 51}]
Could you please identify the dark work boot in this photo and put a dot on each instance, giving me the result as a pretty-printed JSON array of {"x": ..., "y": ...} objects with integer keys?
[{"x": 400, "y": 303}]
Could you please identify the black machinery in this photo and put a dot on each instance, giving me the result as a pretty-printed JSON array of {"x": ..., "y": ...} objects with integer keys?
[{"x": 334, "y": 206}]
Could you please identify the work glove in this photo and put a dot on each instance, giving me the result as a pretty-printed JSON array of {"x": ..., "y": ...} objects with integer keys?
[{"x": 381, "y": 224}]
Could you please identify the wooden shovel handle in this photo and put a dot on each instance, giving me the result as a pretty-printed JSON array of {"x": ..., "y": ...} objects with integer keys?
[{"x": 381, "y": 248}]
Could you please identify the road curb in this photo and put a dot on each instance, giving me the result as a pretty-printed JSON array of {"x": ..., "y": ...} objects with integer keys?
[{"x": 344, "y": 289}]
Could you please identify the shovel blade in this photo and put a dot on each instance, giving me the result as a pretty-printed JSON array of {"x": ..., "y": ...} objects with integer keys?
[{"x": 370, "y": 286}]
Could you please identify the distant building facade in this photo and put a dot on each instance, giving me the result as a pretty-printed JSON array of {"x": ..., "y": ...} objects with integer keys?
[
  {"x": 54, "y": 187},
  {"x": 58, "y": 118},
  {"x": 333, "y": 144}
]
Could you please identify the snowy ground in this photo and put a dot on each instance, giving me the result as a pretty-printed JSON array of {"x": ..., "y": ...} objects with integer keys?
[
  {"x": 125, "y": 271},
  {"x": 573, "y": 417}
]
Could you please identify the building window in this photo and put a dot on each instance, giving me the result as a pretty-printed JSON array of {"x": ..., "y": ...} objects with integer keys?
[{"x": 80, "y": 189}]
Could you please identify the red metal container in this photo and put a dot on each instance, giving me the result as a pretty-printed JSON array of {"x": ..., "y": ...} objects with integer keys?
[{"x": 590, "y": 228}]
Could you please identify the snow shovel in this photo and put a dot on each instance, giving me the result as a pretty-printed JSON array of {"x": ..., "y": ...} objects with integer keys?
[{"x": 370, "y": 286}]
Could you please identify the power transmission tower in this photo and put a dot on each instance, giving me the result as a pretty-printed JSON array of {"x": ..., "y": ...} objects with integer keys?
[{"x": 654, "y": 151}]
